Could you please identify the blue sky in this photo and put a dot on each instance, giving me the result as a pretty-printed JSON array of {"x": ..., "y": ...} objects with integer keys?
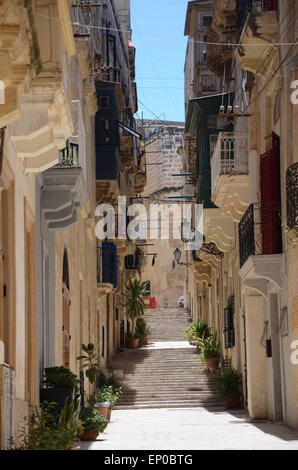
[{"x": 158, "y": 34}]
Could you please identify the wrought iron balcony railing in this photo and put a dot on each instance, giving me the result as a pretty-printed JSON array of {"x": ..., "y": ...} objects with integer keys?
[
  {"x": 260, "y": 231},
  {"x": 244, "y": 7},
  {"x": 229, "y": 156},
  {"x": 69, "y": 156},
  {"x": 292, "y": 196}
]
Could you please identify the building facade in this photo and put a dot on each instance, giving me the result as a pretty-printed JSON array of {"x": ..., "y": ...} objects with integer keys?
[
  {"x": 68, "y": 143},
  {"x": 250, "y": 221}
]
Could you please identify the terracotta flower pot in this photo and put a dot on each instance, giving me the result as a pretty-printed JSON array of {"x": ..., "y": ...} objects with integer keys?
[
  {"x": 109, "y": 414},
  {"x": 132, "y": 343},
  {"x": 212, "y": 363},
  {"x": 88, "y": 436},
  {"x": 145, "y": 339},
  {"x": 102, "y": 408},
  {"x": 233, "y": 401}
]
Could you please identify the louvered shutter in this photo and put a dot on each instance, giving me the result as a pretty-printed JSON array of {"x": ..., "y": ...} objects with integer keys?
[
  {"x": 270, "y": 199},
  {"x": 269, "y": 5},
  {"x": 229, "y": 333},
  {"x": 109, "y": 263}
]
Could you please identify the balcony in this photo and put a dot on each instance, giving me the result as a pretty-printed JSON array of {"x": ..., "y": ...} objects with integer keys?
[
  {"x": 63, "y": 191},
  {"x": 219, "y": 57},
  {"x": 257, "y": 23},
  {"x": 260, "y": 231},
  {"x": 218, "y": 229},
  {"x": 140, "y": 182},
  {"x": 229, "y": 174},
  {"x": 260, "y": 248},
  {"x": 292, "y": 201}
]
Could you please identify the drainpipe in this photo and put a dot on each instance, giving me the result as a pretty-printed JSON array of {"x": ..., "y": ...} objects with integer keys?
[{"x": 245, "y": 356}]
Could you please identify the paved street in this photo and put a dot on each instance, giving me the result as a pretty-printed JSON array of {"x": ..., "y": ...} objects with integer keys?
[{"x": 191, "y": 429}]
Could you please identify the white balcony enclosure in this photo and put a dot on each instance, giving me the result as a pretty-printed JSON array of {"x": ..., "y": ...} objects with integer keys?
[{"x": 229, "y": 174}]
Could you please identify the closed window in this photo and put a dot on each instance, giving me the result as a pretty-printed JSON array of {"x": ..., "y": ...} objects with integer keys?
[
  {"x": 104, "y": 129},
  {"x": 104, "y": 102}
]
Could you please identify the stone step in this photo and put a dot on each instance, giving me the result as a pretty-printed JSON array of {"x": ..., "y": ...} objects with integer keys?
[
  {"x": 212, "y": 404},
  {"x": 169, "y": 377}
]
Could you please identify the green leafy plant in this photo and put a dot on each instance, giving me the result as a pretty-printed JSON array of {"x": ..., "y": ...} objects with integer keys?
[
  {"x": 111, "y": 395},
  {"x": 197, "y": 330},
  {"x": 98, "y": 396},
  {"x": 229, "y": 383},
  {"x": 60, "y": 377},
  {"x": 210, "y": 348},
  {"x": 92, "y": 420},
  {"x": 133, "y": 304},
  {"x": 42, "y": 431},
  {"x": 104, "y": 380},
  {"x": 90, "y": 361}
]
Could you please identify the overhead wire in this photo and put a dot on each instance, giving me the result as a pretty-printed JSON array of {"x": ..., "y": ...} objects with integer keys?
[{"x": 163, "y": 35}]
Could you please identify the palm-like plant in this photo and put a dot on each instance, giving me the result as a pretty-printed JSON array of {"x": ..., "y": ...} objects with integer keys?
[{"x": 133, "y": 304}]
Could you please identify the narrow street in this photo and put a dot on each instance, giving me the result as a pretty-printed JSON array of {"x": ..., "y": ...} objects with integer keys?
[
  {"x": 191, "y": 429},
  {"x": 148, "y": 225},
  {"x": 159, "y": 411}
]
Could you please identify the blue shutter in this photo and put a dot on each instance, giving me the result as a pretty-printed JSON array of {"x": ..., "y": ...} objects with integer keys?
[{"x": 109, "y": 263}]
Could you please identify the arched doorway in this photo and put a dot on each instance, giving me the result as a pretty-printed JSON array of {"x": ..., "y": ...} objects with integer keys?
[{"x": 66, "y": 311}]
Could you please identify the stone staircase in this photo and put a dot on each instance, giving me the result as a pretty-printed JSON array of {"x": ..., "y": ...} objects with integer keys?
[{"x": 167, "y": 373}]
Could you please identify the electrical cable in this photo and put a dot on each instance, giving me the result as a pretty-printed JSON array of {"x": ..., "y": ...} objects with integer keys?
[{"x": 163, "y": 35}]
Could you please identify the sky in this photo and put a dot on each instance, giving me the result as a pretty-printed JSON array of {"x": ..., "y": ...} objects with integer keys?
[{"x": 158, "y": 34}]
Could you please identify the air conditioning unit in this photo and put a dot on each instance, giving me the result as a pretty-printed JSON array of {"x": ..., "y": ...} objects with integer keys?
[{"x": 131, "y": 261}]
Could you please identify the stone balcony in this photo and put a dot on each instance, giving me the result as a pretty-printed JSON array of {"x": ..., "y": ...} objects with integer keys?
[
  {"x": 257, "y": 24},
  {"x": 219, "y": 229},
  {"x": 140, "y": 182},
  {"x": 63, "y": 196},
  {"x": 229, "y": 174}
]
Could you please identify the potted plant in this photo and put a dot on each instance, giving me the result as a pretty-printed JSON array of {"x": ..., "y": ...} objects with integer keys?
[
  {"x": 210, "y": 352},
  {"x": 132, "y": 341},
  {"x": 229, "y": 387},
  {"x": 112, "y": 396},
  {"x": 134, "y": 307},
  {"x": 142, "y": 331},
  {"x": 42, "y": 430},
  {"x": 59, "y": 384},
  {"x": 93, "y": 423},
  {"x": 99, "y": 400},
  {"x": 196, "y": 331},
  {"x": 90, "y": 362}
]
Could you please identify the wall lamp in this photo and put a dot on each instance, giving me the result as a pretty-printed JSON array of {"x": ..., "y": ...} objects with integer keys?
[{"x": 177, "y": 256}]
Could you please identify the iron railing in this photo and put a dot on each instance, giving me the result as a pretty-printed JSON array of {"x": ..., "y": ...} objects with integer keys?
[
  {"x": 244, "y": 7},
  {"x": 260, "y": 231},
  {"x": 292, "y": 196},
  {"x": 69, "y": 156},
  {"x": 229, "y": 156}
]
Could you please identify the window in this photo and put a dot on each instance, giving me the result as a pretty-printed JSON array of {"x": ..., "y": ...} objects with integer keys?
[
  {"x": 207, "y": 20},
  {"x": 229, "y": 332},
  {"x": 104, "y": 102},
  {"x": 104, "y": 129},
  {"x": 204, "y": 48},
  {"x": 208, "y": 83},
  {"x": 103, "y": 342}
]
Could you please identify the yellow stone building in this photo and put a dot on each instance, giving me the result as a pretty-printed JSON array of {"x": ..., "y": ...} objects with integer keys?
[
  {"x": 56, "y": 291},
  {"x": 246, "y": 287}
]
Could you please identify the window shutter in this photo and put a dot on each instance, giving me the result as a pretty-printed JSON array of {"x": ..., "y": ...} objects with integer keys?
[
  {"x": 270, "y": 199},
  {"x": 229, "y": 332},
  {"x": 269, "y": 5},
  {"x": 109, "y": 263}
]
